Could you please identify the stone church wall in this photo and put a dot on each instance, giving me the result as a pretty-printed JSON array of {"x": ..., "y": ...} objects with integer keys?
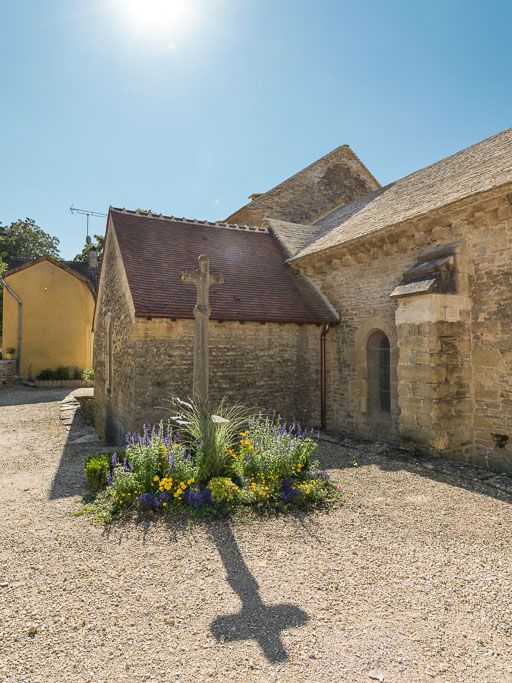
[
  {"x": 272, "y": 367},
  {"x": 451, "y": 358},
  {"x": 113, "y": 410}
]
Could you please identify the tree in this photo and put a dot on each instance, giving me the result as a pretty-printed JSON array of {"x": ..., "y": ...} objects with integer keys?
[
  {"x": 98, "y": 243},
  {"x": 25, "y": 239}
]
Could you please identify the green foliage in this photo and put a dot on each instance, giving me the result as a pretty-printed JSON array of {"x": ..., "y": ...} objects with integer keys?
[
  {"x": 211, "y": 436},
  {"x": 88, "y": 374},
  {"x": 223, "y": 489},
  {"x": 25, "y": 239},
  {"x": 268, "y": 466},
  {"x": 272, "y": 451},
  {"x": 59, "y": 373},
  {"x": 97, "y": 243},
  {"x": 96, "y": 470},
  {"x": 10, "y": 351},
  {"x": 125, "y": 487}
]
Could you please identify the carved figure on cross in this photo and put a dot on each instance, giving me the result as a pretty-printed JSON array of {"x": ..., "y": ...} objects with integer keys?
[{"x": 202, "y": 279}]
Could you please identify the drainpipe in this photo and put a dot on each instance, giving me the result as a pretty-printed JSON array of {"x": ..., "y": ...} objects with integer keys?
[
  {"x": 20, "y": 304},
  {"x": 323, "y": 402}
]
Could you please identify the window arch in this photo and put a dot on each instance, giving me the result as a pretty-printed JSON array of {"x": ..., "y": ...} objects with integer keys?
[{"x": 379, "y": 374}]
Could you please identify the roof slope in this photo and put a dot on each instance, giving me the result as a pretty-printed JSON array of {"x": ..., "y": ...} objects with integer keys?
[
  {"x": 258, "y": 285},
  {"x": 80, "y": 268},
  {"x": 337, "y": 178},
  {"x": 481, "y": 167}
]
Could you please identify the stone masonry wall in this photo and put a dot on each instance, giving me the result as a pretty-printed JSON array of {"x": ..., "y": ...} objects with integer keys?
[
  {"x": 459, "y": 389},
  {"x": 272, "y": 367},
  {"x": 112, "y": 412},
  {"x": 333, "y": 180},
  {"x": 7, "y": 372}
]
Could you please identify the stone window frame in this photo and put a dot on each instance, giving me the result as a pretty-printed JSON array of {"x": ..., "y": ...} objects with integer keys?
[
  {"x": 365, "y": 331},
  {"x": 109, "y": 355},
  {"x": 378, "y": 376}
]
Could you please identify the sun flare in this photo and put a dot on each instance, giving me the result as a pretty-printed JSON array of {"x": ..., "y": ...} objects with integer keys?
[{"x": 159, "y": 14}]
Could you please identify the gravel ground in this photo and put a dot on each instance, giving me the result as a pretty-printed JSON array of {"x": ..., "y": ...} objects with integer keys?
[{"x": 408, "y": 581}]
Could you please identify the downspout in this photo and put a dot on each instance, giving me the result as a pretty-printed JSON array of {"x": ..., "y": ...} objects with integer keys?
[
  {"x": 20, "y": 304},
  {"x": 323, "y": 391}
]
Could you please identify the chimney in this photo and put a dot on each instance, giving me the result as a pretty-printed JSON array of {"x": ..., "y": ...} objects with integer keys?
[{"x": 92, "y": 259}]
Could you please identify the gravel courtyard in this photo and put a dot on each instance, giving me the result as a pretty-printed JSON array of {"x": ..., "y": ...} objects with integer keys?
[{"x": 409, "y": 580}]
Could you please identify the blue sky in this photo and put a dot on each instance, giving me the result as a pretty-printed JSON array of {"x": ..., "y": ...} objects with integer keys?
[{"x": 188, "y": 116}]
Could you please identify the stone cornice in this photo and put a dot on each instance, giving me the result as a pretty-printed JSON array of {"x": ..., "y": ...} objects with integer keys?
[{"x": 446, "y": 223}]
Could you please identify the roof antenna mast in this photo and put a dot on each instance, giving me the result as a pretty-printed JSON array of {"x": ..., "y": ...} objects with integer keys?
[{"x": 87, "y": 213}]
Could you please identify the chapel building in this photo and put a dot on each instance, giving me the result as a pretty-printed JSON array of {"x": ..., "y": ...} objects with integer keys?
[{"x": 380, "y": 312}]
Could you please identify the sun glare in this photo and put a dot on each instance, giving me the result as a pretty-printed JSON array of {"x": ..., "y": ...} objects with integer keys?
[{"x": 159, "y": 14}]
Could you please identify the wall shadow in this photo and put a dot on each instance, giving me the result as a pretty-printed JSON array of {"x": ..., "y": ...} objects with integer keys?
[
  {"x": 69, "y": 479},
  {"x": 255, "y": 620},
  {"x": 345, "y": 452}
]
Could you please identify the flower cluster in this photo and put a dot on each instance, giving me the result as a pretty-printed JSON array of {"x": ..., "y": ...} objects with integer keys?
[{"x": 268, "y": 464}]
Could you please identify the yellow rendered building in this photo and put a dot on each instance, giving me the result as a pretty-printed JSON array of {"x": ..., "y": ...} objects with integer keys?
[{"x": 48, "y": 309}]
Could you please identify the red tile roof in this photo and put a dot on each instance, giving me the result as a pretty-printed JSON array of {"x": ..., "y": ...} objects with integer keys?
[{"x": 258, "y": 285}]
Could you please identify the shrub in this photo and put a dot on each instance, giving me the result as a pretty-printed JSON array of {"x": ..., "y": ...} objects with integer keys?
[
  {"x": 274, "y": 451},
  {"x": 124, "y": 486},
  {"x": 60, "y": 373},
  {"x": 223, "y": 490},
  {"x": 88, "y": 374},
  {"x": 210, "y": 437},
  {"x": 209, "y": 464},
  {"x": 97, "y": 468}
]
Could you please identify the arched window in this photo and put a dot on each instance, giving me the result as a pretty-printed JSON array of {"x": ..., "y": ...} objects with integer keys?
[
  {"x": 379, "y": 383},
  {"x": 109, "y": 355}
]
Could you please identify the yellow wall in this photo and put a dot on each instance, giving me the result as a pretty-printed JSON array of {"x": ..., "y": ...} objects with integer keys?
[{"x": 58, "y": 311}]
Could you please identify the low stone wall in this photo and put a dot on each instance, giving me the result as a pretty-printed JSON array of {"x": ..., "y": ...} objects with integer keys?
[
  {"x": 7, "y": 372},
  {"x": 65, "y": 383}
]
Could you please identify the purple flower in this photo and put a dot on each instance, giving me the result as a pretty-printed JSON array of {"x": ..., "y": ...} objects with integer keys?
[
  {"x": 197, "y": 499},
  {"x": 287, "y": 490},
  {"x": 109, "y": 478},
  {"x": 147, "y": 500},
  {"x": 114, "y": 460},
  {"x": 125, "y": 463}
]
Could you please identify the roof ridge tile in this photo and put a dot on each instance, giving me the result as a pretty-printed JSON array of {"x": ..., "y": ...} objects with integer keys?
[{"x": 191, "y": 221}]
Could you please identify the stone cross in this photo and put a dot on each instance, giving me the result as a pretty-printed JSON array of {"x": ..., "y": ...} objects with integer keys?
[{"x": 202, "y": 279}]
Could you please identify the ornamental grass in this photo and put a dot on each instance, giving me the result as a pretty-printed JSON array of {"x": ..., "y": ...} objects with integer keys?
[{"x": 199, "y": 463}]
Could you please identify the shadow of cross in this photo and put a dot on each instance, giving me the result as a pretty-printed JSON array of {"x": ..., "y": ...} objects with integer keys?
[{"x": 255, "y": 621}]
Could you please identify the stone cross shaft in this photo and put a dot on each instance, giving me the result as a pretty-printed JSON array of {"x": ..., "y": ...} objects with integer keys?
[{"x": 202, "y": 279}]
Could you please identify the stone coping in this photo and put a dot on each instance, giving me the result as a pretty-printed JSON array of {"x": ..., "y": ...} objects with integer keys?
[{"x": 56, "y": 383}]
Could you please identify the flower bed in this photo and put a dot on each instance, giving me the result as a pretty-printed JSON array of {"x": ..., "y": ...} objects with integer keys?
[{"x": 199, "y": 464}]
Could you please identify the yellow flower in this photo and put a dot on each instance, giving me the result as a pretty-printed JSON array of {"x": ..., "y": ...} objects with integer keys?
[
  {"x": 244, "y": 433},
  {"x": 155, "y": 478}
]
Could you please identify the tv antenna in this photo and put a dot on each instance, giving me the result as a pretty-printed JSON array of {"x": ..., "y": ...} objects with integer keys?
[{"x": 86, "y": 212}]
